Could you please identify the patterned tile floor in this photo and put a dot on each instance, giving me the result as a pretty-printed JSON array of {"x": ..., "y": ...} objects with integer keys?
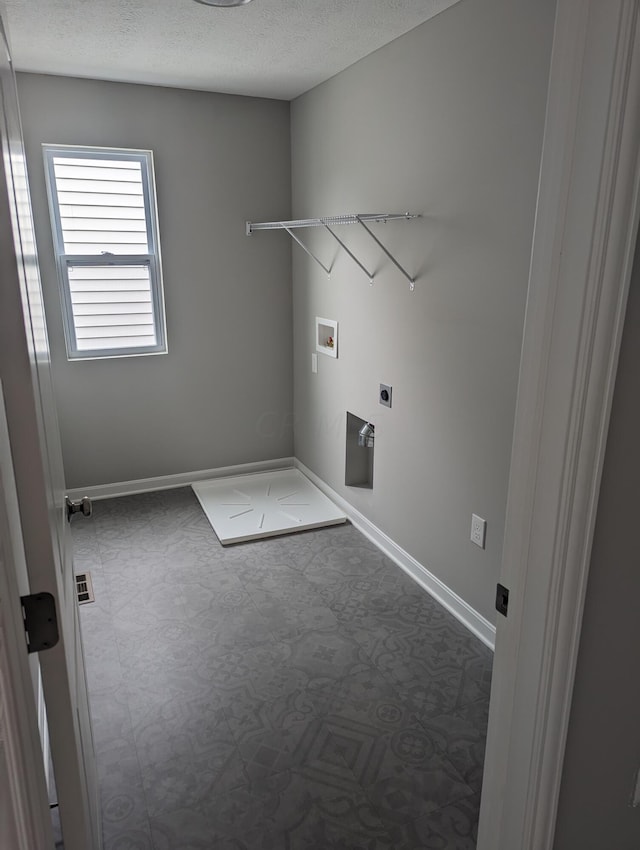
[{"x": 297, "y": 693}]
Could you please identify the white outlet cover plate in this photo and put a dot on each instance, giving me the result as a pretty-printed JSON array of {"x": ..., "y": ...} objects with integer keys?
[
  {"x": 251, "y": 507},
  {"x": 478, "y": 530}
]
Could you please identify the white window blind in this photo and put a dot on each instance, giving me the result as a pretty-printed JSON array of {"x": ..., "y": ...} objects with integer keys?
[{"x": 106, "y": 240}]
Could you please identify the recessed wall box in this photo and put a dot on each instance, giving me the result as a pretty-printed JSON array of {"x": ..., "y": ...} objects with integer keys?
[
  {"x": 327, "y": 336},
  {"x": 359, "y": 456}
]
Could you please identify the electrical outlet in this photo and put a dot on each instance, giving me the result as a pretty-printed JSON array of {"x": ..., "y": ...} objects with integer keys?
[
  {"x": 478, "y": 530},
  {"x": 384, "y": 396},
  {"x": 314, "y": 362}
]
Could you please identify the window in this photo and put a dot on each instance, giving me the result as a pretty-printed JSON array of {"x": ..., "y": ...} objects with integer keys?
[{"x": 105, "y": 235}]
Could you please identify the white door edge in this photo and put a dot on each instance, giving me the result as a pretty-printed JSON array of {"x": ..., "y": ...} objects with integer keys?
[
  {"x": 25, "y": 821},
  {"x": 583, "y": 248},
  {"x": 43, "y": 728}
]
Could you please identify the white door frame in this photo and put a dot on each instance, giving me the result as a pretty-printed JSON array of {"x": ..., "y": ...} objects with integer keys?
[
  {"x": 583, "y": 249},
  {"x": 39, "y": 479}
]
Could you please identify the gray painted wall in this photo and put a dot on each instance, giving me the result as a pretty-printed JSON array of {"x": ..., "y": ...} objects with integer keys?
[
  {"x": 446, "y": 121},
  {"x": 222, "y": 395},
  {"x": 603, "y": 746}
]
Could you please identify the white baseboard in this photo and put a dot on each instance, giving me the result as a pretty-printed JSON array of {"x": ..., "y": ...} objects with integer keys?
[
  {"x": 170, "y": 482},
  {"x": 460, "y": 609}
]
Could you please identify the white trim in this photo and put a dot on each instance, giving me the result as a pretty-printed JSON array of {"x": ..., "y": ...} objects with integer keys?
[
  {"x": 43, "y": 726},
  {"x": 450, "y": 600},
  {"x": 170, "y": 482},
  {"x": 15, "y": 821},
  {"x": 584, "y": 241},
  {"x": 26, "y": 803}
]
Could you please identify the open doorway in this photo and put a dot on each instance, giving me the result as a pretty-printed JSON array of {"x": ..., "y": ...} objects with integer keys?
[{"x": 514, "y": 727}]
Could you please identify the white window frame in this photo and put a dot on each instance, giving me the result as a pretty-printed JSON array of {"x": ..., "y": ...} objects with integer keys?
[{"x": 151, "y": 259}]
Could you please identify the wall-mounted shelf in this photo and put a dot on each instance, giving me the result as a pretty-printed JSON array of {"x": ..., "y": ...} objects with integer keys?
[{"x": 331, "y": 221}]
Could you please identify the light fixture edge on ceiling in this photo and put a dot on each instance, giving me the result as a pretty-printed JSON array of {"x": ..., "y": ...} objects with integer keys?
[{"x": 223, "y": 4}]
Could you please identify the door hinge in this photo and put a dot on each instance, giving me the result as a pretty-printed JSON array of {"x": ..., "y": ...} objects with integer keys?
[
  {"x": 502, "y": 599},
  {"x": 40, "y": 621}
]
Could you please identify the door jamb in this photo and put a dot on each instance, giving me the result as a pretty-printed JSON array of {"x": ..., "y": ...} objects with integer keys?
[{"x": 583, "y": 249}]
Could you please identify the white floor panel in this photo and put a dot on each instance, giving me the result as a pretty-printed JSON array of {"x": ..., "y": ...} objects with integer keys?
[{"x": 248, "y": 507}]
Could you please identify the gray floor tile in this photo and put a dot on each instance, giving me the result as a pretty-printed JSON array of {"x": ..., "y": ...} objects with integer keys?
[
  {"x": 299, "y": 808},
  {"x": 465, "y": 734},
  {"x": 369, "y": 698},
  {"x": 111, "y": 720},
  {"x": 282, "y": 578},
  {"x": 179, "y": 728},
  {"x": 258, "y": 553},
  {"x": 326, "y": 655},
  {"x": 191, "y": 781},
  {"x": 272, "y": 736},
  {"x": 293, "y": 693},
  {"x": 435, "y": 665},
  {"x": 121, "y": 791},
  {"x": 402, "y": 769},
  {"x": 189, "y": 829},
  {"x": 104, "y": 671},
  {"x": 260, "y": 670},
  {"x": 136, "y": 837},
  {"x": 292, "y": 617},
  {"x": 141, "y": 611},
  {"x": 454, "y": 827},
  {"x": 318, "y": 797},
  {"x": 206, "y": 602}
]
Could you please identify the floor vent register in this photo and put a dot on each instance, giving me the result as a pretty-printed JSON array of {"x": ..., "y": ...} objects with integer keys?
[{"x": 84, "y": 588}]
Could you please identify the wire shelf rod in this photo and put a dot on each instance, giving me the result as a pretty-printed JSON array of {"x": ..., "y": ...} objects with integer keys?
[
  {"x": 350, "y": 218},
  {"x": 304, "y": 248},
  {"x": 352, "y": 255},
  {"x": 412, "y": 281}
]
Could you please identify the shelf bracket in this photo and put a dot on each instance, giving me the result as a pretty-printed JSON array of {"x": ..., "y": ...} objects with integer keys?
[
  {"x": 353, "y": 256},
  {"x": 304, "y": 248},
  {"x": 412, "y": 280}
]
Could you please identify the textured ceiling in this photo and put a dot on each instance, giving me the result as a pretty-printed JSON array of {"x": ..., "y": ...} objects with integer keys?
[{"x": 269, "y": 48}]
